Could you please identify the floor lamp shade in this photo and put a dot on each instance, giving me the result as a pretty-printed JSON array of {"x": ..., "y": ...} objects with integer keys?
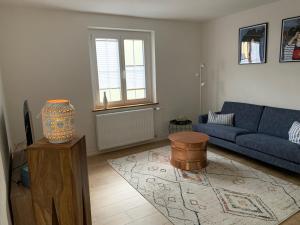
[{"x": 58, "y": 120}]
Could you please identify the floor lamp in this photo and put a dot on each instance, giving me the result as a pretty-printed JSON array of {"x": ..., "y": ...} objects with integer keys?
[{"x": 202, "y": 84}]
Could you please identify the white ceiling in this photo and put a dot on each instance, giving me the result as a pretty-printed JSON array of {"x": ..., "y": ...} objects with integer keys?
[{"x": 192, "y": 10}]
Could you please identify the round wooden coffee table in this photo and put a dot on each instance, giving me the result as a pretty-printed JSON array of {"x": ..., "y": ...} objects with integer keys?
[{"x": 189, "y": 150}]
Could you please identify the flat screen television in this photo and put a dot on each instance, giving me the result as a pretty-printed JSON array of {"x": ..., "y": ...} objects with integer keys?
[{"x": 27, "y": 123}]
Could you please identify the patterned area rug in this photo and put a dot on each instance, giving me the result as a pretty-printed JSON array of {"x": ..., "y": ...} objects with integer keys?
[{"x": 225, "y": 193}]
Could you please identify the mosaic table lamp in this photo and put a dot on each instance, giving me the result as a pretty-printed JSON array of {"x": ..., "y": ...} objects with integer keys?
[{"x": 58, "y": 121}]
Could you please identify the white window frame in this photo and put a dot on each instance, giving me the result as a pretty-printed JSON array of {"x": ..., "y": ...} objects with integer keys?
[{"x": 149, "y": 61}]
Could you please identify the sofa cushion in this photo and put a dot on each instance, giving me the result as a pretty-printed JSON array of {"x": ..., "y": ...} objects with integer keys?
[
  {"x": 220, "y": 131},
  {"x": 271, "y": 145},
  {"x": 294, "y": 133},
  {"x": 222, "y": 119},
  {"x": 277, "y": 121},
  {"x": 246, "y": 116}
]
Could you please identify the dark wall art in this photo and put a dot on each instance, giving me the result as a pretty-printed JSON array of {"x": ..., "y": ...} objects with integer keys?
[
  {"x": 253, "y": 44},
  {"x": 290, "y": 40}
]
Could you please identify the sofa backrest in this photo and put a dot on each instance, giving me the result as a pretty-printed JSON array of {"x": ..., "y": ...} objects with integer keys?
[
  {"x": 246, "y": 116},
  {"x": 277, "y": 121}
]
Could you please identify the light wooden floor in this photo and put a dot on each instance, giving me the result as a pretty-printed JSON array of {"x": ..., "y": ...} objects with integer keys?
[{"x": 115, "y": 202}]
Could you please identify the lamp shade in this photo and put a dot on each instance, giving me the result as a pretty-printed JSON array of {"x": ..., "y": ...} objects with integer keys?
[{"x": 58, "y": 120}]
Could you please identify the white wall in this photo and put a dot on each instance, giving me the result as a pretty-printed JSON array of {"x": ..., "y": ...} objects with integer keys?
[
  {"x": 274, "y": 83},
  {"x": 4, "y": 162},
  {"x": 45, "y": 54}
]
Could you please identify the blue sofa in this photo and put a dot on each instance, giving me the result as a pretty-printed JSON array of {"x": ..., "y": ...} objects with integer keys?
[{"x": 260, "y": 132}]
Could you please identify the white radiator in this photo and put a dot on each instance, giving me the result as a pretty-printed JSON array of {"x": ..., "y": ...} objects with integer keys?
[{"x": 124, "y": 128}]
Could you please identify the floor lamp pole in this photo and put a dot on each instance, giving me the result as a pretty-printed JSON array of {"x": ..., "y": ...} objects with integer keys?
[{"x": 202, "y": 84}]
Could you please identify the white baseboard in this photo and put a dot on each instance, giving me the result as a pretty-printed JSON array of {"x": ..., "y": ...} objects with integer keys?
[
  {"x": 97, "y": 152},
  {"x": 92, "y": 153}
]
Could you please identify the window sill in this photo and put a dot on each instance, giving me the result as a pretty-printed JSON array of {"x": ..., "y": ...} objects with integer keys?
[{"x": 125, "y": 106}]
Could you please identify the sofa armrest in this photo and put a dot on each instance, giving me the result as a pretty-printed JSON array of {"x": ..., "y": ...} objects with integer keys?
[{"x": 204, "y": 118}]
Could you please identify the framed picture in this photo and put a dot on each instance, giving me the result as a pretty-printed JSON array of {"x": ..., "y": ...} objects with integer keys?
[
  {"x": 253, "y": 44},
  {"x": 290, "y": 40}
]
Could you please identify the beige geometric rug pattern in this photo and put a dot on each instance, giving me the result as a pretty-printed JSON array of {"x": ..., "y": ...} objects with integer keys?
[{"x": 224, "y": 193}]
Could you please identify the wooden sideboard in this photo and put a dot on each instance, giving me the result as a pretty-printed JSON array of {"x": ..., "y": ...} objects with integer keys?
[{"x": 59, "y": 183}]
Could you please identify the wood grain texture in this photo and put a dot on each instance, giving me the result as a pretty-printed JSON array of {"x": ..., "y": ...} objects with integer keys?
[
  {"x": 59, "y": 183},
  {"x": 188, "y": 137},
  {"x": 20, "y": 196},
  {"x": 21, "y": 203},
  {"x": 189, "y": 150}
]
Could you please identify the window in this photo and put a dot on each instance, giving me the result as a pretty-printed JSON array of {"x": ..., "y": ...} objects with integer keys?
[{"x": 122, "y": 67}]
